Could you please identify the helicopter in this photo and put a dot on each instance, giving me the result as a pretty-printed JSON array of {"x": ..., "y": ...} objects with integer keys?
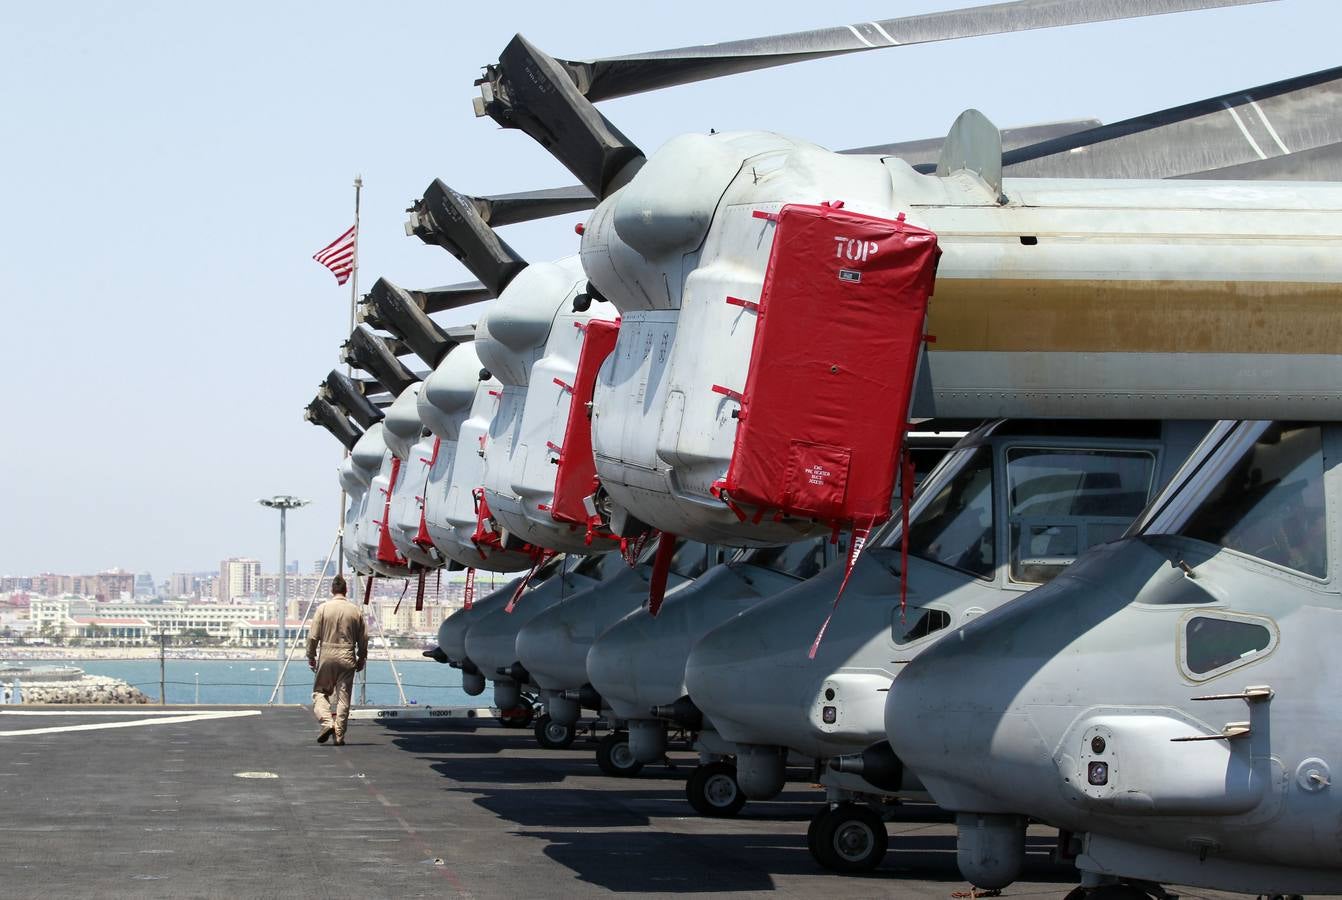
[
  {"x": 451, "y": 412},
  {"x": 636, "y": 665},
  {"x": 1212, "y": 377},
  {"x": 1014, "y": 503},
  {"x": 1206, "y": 760},
  {"x": 551, "y": 647},
  {"x": 682, "y": 242},
  {"x": 544, "y": 345}
]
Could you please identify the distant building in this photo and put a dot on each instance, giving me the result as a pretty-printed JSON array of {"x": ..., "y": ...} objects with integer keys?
[
  {"x": 262, "y": 632},
  {"x": 239, "y": 579},
  {"x": 113, "y": 584},
  {"x": 182, "y": 585},
  {"x": 303, "y": 587},
  {"x": 176, "y": 618},
  {"x": 330, "y": 569},
  {"x": 112, "y": 632},
  {"x": 144, "y": 585}
]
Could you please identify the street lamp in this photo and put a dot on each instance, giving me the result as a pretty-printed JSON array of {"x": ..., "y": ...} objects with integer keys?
[{"x": 284, "y": 503}]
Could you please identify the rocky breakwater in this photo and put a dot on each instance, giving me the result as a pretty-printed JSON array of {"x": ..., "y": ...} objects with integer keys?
[{"x": 66, "y": 685}]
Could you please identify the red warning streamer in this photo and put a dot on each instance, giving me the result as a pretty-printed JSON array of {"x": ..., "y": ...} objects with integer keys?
[
  {"x": 468, "y": 596},
  {"x": 661, "y": 568},
  {"x": 859, "y": 541},
  {"x": 541, "y": 557}
]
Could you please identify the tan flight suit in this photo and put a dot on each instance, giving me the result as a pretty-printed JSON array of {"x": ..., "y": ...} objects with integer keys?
[{"x": 339, "y": 629}]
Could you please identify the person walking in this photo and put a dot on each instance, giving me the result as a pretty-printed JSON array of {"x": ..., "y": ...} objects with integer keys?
[{"x": 339, "y": 631}]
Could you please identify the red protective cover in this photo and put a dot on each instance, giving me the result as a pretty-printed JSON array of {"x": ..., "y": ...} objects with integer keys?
[
  {"x": 386, "y": 549},
  {"x": 576, "y": 478},
  {"x": 825, "y": 406}
]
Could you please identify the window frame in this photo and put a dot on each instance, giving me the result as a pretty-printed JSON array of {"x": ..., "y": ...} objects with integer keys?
[
  {"x": 1169, "y": 514},
  {"x": 1204, "y": 612},
  {"x": 928, "y": 608},
  {"x": 1087, "y": 445}
]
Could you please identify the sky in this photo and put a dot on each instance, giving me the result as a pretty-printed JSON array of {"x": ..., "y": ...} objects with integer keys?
[{"x": 168, "y": 170}]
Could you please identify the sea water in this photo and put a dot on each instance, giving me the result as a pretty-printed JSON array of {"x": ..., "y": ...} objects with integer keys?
[{"x": 248, "y": 681}]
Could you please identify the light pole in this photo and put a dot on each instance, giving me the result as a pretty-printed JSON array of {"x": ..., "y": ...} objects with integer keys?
[{"x": 284, "y": 503}]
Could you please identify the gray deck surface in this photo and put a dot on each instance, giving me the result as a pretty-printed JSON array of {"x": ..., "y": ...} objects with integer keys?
[{"x": 413, "y": 808}]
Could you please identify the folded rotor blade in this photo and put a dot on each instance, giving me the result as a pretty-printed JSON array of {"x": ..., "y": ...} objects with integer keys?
[
  {"x": 394, "y": 309},
  {"x": 453, "y": 221},
  {"x": 351, "y": 397},
  {"x": 371, "y": 353},
  {"x": 1316, "y": 164},
  {"x": 526, "y": 206},
  {"x": 452, "y": 296},
  {"x": 603, "y": 79},
  {"x": 320, "y": 412},
  {"x": 1234, "y": 130}
]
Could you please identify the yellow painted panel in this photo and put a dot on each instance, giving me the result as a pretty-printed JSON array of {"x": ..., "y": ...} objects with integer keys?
[{"x": 1020, "y": 315}]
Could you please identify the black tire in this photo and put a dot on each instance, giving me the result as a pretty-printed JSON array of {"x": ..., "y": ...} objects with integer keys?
[
  {"x": 813, "y": 826},
  {"x": 850, "y": 839},
  {"x": 553, "y": 735},
  {"x": 613, "y": 756},
  {"x": 712, "y": 790}
]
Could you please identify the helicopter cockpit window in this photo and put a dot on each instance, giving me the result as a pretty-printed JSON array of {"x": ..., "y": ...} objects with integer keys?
[
  {"x": 1214, "y": 644},
  {"x": 1270, "y": 505},
  {"x": 1063, "y": 500},
  {"x": 955, "y": 528},
  {"x": 800, "y": 560},
  {"x": 905, "y": 630},
  {"x": 691, "y": 559},
  {"x": 600, "y": 566}
]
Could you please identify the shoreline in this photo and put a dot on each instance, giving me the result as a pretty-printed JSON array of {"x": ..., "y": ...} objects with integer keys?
[{"x": 43, "y": 654}]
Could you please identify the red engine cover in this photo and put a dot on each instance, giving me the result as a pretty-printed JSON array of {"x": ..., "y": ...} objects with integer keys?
[
  {"x": 826, "y": 401},
  {"x": 576, "y": 478}
]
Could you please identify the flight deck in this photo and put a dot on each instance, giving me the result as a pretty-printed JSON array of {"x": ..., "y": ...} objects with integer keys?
[{"x": 241, "y": 802}]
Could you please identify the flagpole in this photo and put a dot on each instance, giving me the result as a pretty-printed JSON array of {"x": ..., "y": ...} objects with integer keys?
[{"x": 353, "y": 302}]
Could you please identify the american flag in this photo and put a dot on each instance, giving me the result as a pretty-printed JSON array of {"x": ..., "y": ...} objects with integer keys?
[{"x": 338, "y": 256}]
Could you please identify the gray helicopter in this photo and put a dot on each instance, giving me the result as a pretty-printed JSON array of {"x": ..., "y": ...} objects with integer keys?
[
  {"x": 637, "y": 664},
  {"x": 552, "y": 648},
  {"x": 491, "y": 637},
  {"x": 1127, "y": 384},
  {"x": 1164, "y": 702},
  {"x": 1014, "y": 504},
  {"x": 451, "y": 648}
]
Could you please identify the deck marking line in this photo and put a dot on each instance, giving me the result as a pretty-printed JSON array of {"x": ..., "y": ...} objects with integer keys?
[{"x": 97, "y": 726}]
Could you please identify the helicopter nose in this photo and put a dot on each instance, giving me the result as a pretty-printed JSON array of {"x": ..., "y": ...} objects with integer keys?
[
  {"x": 612, "y": 660},
  {"x": 546, "y": 647},
  {"x": 739, "y": 681},
  {"x": 491, "y": 642}
]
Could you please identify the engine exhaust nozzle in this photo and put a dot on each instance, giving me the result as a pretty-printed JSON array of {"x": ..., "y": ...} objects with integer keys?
[
  {"x": 877, "y": 765},
  {"x": 436, "y": 654},
  {"x": 682, "y": 712}
]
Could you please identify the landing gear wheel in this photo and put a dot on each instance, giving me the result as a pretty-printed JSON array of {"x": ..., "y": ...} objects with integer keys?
[
  {"x": 850, "y": 838},
  {"x": 813, "y": 827},
  {"x": 614, "y": 758},
  {"x": 517, "y": 717},
  {"x": 554, "y": 735},
  {"x": 712, "y": 790}
]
